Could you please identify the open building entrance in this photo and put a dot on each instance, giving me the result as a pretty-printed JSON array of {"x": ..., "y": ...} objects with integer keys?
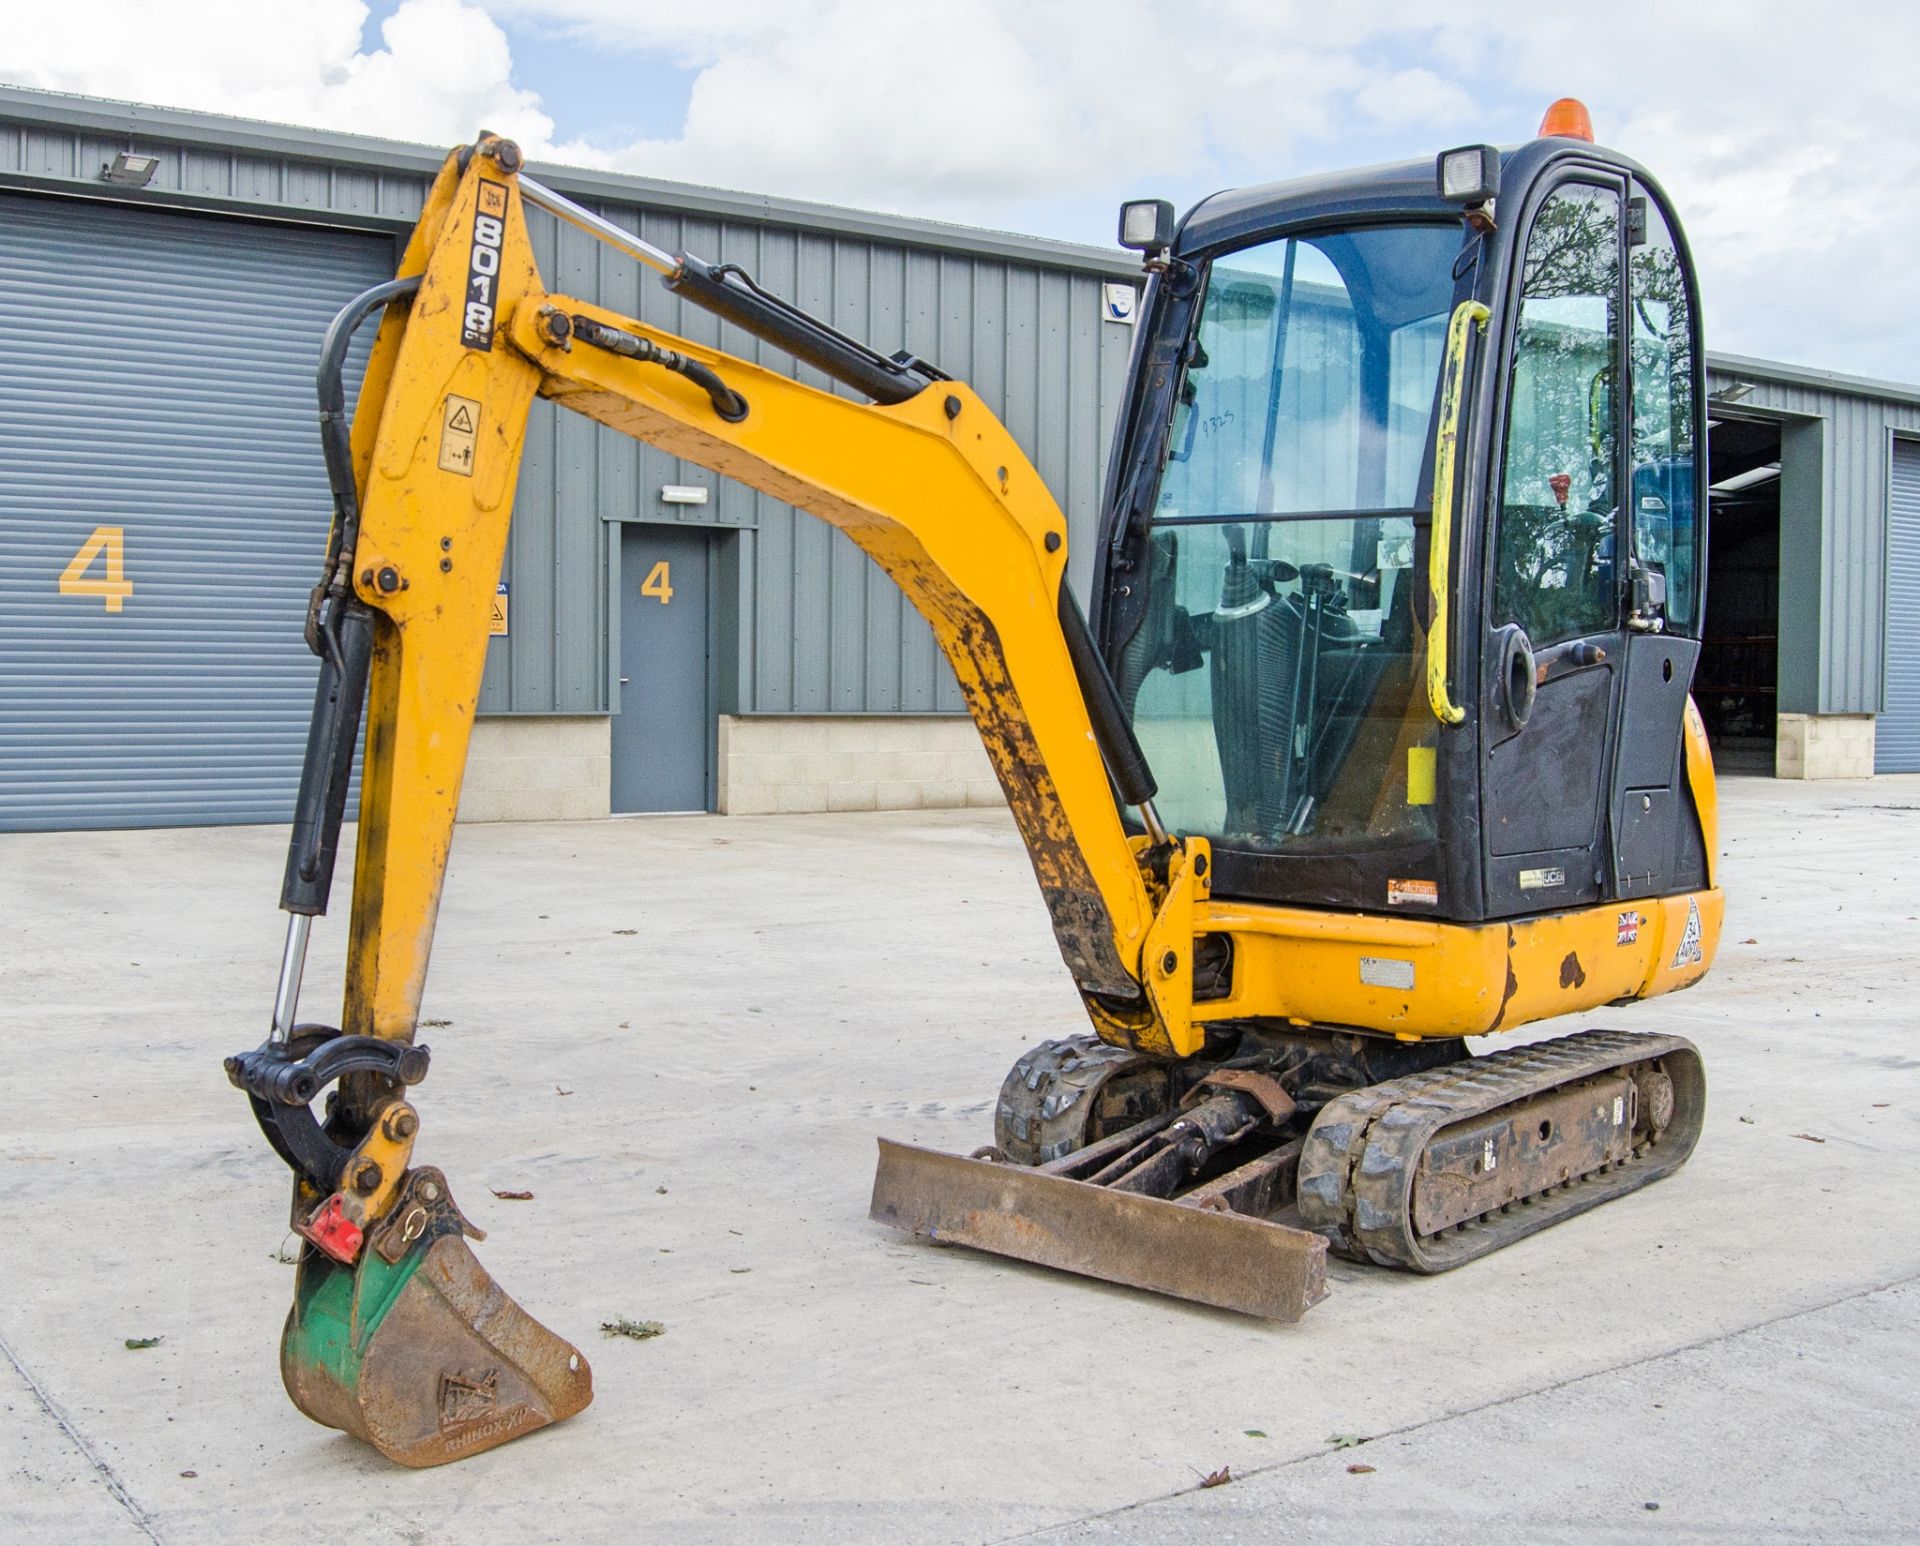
[{"x": 1737, "y": 685}]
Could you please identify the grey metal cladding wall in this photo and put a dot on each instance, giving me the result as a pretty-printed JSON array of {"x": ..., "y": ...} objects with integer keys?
[
  {"x": 826, "y": 631},
  {"x": 1896, "y": 742},
  {"x": 156, "y": 376},
  {"x": 1853, "y": 529}
]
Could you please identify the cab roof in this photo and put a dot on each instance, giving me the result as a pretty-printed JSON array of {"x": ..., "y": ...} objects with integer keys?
[{"x": 1404, "y": 189}]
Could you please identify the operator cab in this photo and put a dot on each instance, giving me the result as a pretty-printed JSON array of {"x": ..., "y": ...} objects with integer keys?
[{"x": 1269, "y": 531}]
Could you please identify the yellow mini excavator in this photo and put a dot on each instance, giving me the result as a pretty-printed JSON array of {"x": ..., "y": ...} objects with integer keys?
[{"x": 1378, "y": 736}]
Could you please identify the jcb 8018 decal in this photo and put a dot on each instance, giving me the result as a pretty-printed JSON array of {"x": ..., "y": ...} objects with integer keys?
[{"x": 483, "y": 266}]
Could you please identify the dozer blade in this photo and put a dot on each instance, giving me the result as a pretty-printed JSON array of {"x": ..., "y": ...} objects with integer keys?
[
  {"x": 415, "y": 1348},
  {"x": 1231, "y": 1260}
]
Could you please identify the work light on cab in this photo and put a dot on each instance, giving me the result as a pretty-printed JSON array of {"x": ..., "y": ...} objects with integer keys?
[
  {"x": 1146, "y": 225},
  {"x": 1469, "y": 175}
]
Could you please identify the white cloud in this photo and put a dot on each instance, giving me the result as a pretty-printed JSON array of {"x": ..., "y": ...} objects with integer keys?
[
  {"x": 1415, "y": 96},
  {"x": 1780, "y": 128},
  {"x": 444, "y": 71}
]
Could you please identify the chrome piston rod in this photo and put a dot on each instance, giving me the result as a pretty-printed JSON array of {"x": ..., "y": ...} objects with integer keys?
[
  {"x": 293, "y": 962},
  {"x": 563, "y": 208}
]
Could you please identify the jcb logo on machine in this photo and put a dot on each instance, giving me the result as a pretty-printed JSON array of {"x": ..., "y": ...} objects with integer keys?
[{"x": 483, "y": 266}]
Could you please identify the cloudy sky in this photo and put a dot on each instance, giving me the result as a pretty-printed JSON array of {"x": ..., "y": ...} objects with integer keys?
[{"x": 1785, "y": 131}]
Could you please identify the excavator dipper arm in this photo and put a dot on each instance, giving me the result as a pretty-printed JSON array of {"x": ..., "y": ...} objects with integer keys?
[{"x": 397, "y": 1334}]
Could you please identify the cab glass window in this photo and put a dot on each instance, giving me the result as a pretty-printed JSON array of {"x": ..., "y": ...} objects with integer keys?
[
  {"x": 1310, "y": 381},
  {"x": 1275, "y": 676},
  {"x": 1555, "y": 554},
  {"x": 1665, "y": 531}
]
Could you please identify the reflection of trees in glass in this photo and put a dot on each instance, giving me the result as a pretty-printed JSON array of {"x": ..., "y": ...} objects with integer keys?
[
  {"x": 1663, "y": 409},
  {"x": 1574, "y": 246},
  {"x": 1555, "y": 569},
  {"x": 1663, "y": 337}
]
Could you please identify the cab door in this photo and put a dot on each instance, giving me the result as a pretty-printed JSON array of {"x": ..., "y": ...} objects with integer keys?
[
  {"x": 1655, "y": 846},
  {"x": 1554, "y": 649}
]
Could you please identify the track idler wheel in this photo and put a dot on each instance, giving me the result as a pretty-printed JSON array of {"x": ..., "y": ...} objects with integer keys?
[
  {"x": 415, "y": 1349},
  {"x": 1066, "y": 1094}
]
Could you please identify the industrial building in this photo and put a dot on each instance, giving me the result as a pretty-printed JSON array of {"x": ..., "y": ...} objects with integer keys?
[{"x": 165, "y": 278}]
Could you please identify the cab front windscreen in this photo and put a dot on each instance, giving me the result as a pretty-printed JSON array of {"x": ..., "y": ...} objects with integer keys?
[{"x": 1276, "y": 680}]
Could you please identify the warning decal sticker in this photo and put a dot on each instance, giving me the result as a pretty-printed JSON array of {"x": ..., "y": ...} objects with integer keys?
[
  {"x": 459, "y": 430},
  {"x": 1689, "y": 953}
]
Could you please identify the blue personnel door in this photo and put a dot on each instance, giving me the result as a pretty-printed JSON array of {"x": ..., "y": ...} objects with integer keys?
[{"x": 662, "y": 728}]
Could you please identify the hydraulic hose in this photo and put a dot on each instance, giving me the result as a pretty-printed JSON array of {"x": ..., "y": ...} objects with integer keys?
[
  {"x": 1112, "y": 731},
  {"x": 339, "y": 630},
  {"x": 336, "y": 428}
]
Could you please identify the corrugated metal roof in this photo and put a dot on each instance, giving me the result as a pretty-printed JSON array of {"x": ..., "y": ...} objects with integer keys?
[{"x": 127, "y": 121}]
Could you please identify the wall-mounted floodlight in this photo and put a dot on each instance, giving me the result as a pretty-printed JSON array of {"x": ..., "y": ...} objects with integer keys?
[
  {"x": 683, "y": 494},
  {"x": 1146, "y": 225},
  {"x": 130, "y": 170}
]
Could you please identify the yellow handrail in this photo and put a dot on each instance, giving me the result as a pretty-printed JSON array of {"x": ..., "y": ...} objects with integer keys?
[{"x": 1466, "y": 316}]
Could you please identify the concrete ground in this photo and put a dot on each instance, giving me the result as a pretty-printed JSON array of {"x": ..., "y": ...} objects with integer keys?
[{"x": 683, "y": 1035}]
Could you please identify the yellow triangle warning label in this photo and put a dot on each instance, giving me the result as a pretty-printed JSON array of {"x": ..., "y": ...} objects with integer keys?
[{"x": 458, "y": 438}]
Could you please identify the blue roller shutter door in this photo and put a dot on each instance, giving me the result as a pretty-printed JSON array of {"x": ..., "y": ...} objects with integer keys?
[
  {"x": 163, "y": 508},
  {"x": 1897, "y": 735}
]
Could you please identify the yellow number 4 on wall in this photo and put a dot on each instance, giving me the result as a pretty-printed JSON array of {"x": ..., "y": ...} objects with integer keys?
[
  {"x": 108, "y": 543},
  {"x": 659, "y": 582}
]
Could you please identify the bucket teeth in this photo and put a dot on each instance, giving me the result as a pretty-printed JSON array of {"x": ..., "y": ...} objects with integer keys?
[{"x": 416, "y": 1350}]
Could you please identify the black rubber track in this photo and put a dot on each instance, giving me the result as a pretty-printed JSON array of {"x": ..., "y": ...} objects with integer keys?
[{"x": 1361, "y": 1157}]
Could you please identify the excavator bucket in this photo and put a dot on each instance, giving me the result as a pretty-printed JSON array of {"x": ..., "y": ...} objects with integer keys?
[
  {"x": 1202, "y": 1250},
  {"x": 416, "y": 1349}
]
